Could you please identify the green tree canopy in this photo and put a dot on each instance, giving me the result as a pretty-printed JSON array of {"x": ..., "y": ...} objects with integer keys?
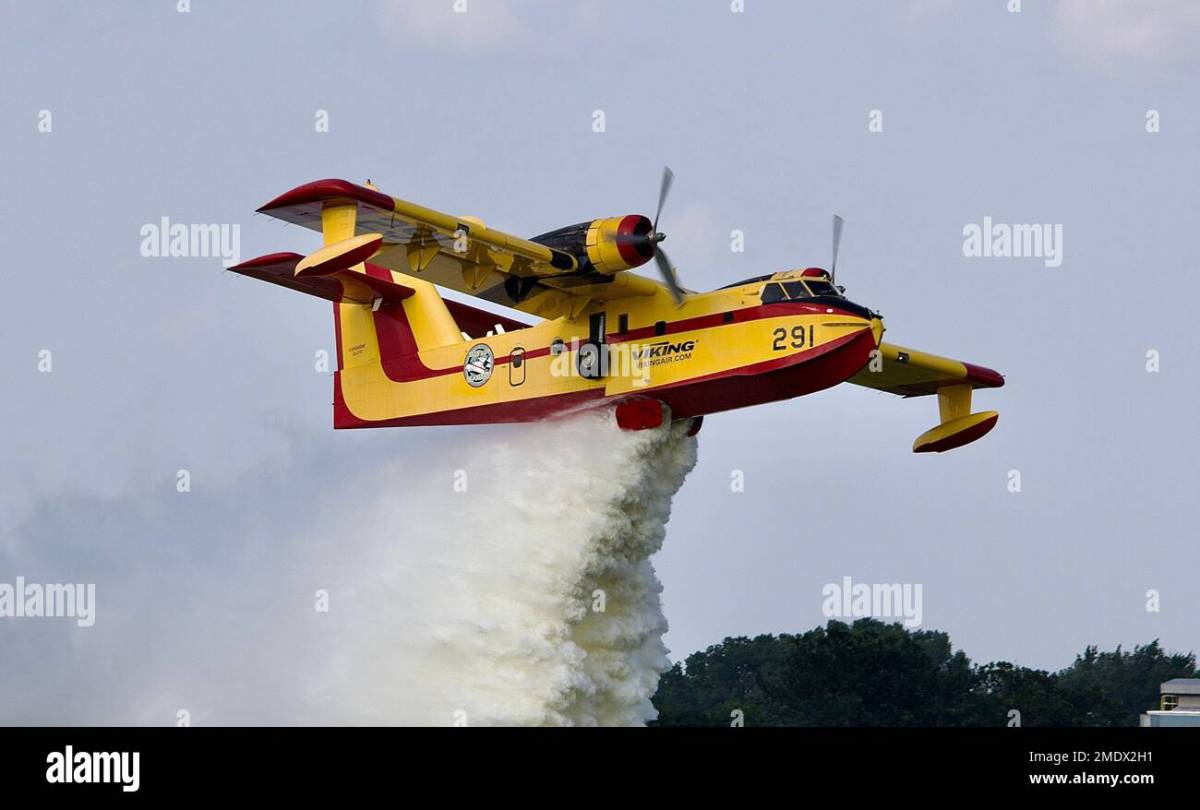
[{"x": 875, "y": 674}]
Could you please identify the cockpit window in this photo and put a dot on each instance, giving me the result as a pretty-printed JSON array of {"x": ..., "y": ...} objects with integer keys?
[
  {"x": 772, "y": 293},
  {"x": 794, "y": 290}
]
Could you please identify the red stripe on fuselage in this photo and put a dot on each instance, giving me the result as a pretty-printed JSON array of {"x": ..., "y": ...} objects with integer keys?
[
  {"x": 767, "y": 381},
  {"x": 756, "y": 385},
  {"x": 400, "y": 368},
  {"x": 754, "y": 313},
  {"x": 524, "y": 410}
]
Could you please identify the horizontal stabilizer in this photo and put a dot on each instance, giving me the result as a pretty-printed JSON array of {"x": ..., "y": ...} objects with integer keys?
[
  {"x": 340, "y": 255},
  {"x": 349, "y": 286}
]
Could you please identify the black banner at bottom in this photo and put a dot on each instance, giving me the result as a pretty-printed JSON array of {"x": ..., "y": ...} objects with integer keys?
[{"x": 86, "y": 763}]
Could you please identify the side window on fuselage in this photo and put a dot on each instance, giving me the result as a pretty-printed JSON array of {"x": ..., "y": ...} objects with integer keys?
[{"x": 772, "y": 293}]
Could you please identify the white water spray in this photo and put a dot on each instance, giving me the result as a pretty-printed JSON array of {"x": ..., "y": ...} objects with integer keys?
[
  {"x": 525, "y": 596},
  {"x": 479, "y": 576}
]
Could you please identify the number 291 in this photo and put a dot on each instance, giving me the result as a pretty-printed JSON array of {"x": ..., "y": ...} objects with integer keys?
[{"x": 798, "y": 338}]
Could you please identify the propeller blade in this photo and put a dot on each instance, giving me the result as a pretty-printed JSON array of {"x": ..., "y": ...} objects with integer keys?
[
  {"x": 668, "y": 275},
  {"x": 837, "y": 240},
  {"x": 668, "y": 177}
]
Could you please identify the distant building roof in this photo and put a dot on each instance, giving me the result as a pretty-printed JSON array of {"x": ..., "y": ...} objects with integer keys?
[{"x": 1181, "y": 686}]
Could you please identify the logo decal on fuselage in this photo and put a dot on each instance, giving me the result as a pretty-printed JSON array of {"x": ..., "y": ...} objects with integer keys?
[
  {"x": 478, "y": 366},
  {"x": 666, "y": 352}
]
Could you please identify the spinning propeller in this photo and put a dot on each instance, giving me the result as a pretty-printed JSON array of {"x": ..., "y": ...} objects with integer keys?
[
  {"x": 654, "y": 237},
  {"x": 837, "y": 240},
  {"x": 649, "y": 241}
]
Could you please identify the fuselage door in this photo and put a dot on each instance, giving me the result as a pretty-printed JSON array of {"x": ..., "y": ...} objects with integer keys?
[
  {"x": 592, "y": 358},
  {"x": 516, "y": 367}
]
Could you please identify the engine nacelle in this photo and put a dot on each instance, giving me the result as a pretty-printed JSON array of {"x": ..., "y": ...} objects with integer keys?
[
  {"x": 607, "y": 245},
  {"x": 619, "y": 243}
]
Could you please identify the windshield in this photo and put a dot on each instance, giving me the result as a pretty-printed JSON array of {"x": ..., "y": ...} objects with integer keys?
[
  {"x": 794, "y": 290},
  {"x": 803, "y": 289},
  {"x": 816, "y": 291}
]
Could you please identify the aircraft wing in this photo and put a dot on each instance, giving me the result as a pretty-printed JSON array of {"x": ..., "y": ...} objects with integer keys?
[
  {"x": 459, "y": 253},
  {"x": 912, "y": 373}
]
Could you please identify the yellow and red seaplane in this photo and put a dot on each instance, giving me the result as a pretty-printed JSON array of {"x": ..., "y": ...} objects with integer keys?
[{"x": 649, "y": 348}]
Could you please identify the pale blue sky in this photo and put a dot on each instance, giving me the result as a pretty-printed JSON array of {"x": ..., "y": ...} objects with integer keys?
[{"x": 1028, "y": 118}]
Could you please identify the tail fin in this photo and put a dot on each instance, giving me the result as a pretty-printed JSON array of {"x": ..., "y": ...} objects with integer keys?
[
  {"x": 381, "y": 324},
  {"x": 387, "y": 332}
]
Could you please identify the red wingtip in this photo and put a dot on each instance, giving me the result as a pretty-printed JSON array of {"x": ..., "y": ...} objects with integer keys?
[
  {"x": 330, "y": 189},
  {"x": 982, "y": 377},
  {"x": 269, "y": 260}
]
